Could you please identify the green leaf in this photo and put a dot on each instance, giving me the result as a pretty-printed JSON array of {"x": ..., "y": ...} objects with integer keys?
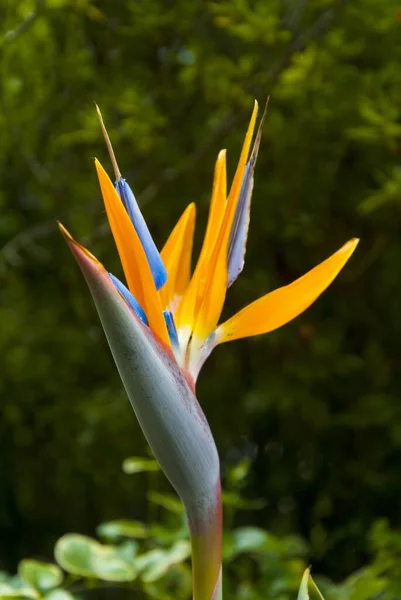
[
  {"x": 303, "y": 593},
  {"x": 9, "y": 591},
  {"x": 58, "y": 595},
  {"x": 167, "y": 501},
  {"x": 366, "y": 584},
  {"x": 154, "y": 564},
  {"x": 174, "y": 585},
  {"x": 114, "y": 530},
  {"x": 234, "y": 500},
  {"x": 40, "y": 575},
  {"x": 136, "y": 464},
  {"x": 259, "y": 541},
  {"x": 250, "y": 539},
  {"x": 81, "y": 555},
  {"x": 165, "y": 536},
  {"x": 238, "y": 473}
]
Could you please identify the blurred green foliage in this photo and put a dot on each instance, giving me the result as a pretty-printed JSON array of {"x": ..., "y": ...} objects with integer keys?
[
  {"x": 152, "y": 560},
  {"x": 313, "y": 409}
]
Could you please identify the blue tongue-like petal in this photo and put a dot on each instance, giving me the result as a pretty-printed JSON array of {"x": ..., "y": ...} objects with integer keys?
[
  {"x": 171, "y": 328},
  {"x": 131, "y": 206},
  {"x": 134, "y": 304},
  {"x": 155, "y": 262}
]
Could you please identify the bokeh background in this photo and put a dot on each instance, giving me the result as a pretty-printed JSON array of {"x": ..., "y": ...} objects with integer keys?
[{"x": 312, "y": 410}]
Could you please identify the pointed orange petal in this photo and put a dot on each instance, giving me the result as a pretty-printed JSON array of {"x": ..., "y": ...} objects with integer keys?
[
  {"x": 217, "y": 206},
  {"x": 176, "y": 256},
  {"x": 217, "y": 268},
  {"x": 132, "y": 255},
  {"x": 186, "y": 308},
  {"x": 284, "y": 304},
  {"x": 239, "y": 173}
]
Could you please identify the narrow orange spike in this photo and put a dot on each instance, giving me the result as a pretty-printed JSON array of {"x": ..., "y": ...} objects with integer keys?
[
  {"x": 133, "y": 257},
  {"x": 217, "y": 206},
  {"x": 284, "y": 304},
  {"x": 186, "y": 308},
  {"x": 176, "y": 256},
  {"x": 239, "y": 173},
  {"x": 217, "y": 272},
  {"x": 216, "y": 214}
]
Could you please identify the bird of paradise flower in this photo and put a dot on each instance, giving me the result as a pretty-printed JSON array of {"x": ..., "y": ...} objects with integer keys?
[
  {"x": 181, "y": 309},
  {"x": 164, "y": 323}
]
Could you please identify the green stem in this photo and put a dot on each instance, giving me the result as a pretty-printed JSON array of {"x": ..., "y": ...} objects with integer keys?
[{"x": 206, "y": 542}]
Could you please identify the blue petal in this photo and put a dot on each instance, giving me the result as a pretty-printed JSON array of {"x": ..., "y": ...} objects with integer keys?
[
  {"x": 240, "y": 226},
  {"x": 171, "y": 328},
  {"x": 134, "y": 304},
  {"x": 154, "y": 259}
]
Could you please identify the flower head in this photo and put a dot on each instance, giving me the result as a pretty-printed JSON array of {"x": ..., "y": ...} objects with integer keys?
[{"x": 181, "y": 309}]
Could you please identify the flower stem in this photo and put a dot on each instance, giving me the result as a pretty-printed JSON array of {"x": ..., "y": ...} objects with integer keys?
[{"x": 206, "y": 542}]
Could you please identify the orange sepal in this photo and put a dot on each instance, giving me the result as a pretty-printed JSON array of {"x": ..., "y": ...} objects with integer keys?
[
  {"x": 188, "y": 305},
  {"x": 284, "y": 304},
  {"x": 217, "y": 269},
  {"x": 176, "y": 256},
  {"x": 133, "y": 258}
]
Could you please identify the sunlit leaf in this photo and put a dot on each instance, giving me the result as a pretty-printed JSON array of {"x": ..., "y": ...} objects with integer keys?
[
  {"x": 81, "y": 555},
  {"x": 176, "y": 584},
  {"x": 59, "y": 594},
  {"x": 9, "y": 591},
  {"x": 154, "y": 564},
  {"x": 303, "y": 593},
  {"x": 235, "y": 500},
  {"x": 137, "y": 464},
  {"x": 40, "y": 575},
  {"x": 167, "y": 501},
  {"x": 114, "y": 530},
  {"x": 258, "y": 541},
  {"x": 237, "y": 473}
]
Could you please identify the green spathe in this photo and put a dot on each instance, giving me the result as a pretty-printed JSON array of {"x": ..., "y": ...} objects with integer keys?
[{"x": 170, "y": 417}]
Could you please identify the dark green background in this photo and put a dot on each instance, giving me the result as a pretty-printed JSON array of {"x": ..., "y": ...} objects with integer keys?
[{"x": 315, "y": 405}]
